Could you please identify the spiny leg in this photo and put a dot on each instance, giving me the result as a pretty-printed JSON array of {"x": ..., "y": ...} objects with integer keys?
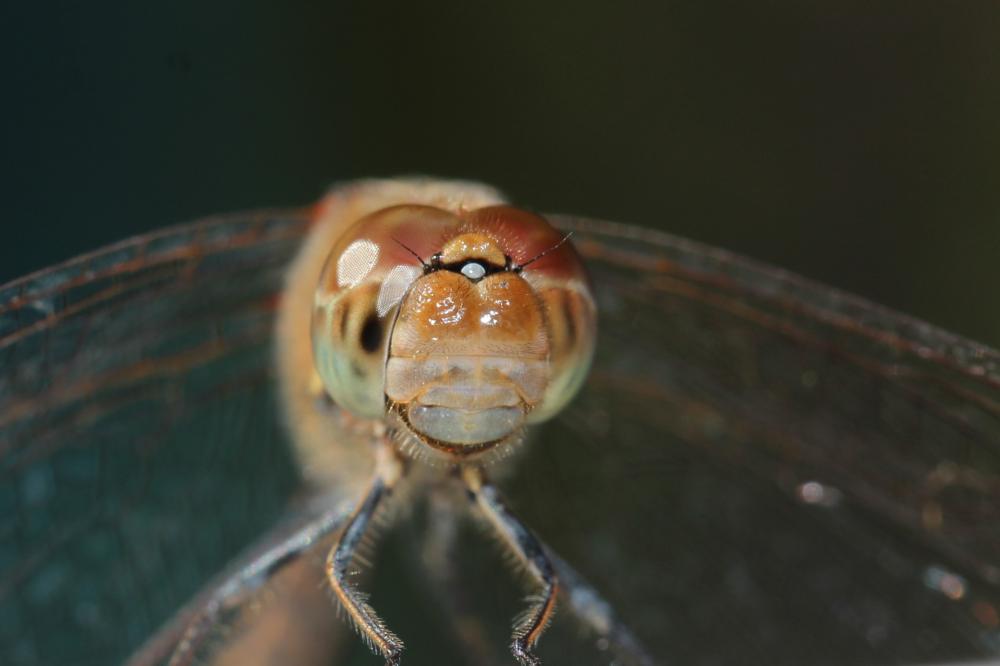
[
  {"x": 388, "y": 471},
  {"x": 442, "y": 580},
  {"x": 529, "y": 627}
]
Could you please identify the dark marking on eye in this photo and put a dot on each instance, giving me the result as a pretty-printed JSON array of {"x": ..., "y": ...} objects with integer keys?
[
  {"x": 569, "y": 314},
  {"x": 371, "y": 334}
]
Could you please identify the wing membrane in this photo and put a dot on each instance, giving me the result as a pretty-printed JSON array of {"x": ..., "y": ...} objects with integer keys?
[
  {"x": 138, "y": 440},
  {"x": 779, "y": 469},
  {"x": 759, "y": 465}
]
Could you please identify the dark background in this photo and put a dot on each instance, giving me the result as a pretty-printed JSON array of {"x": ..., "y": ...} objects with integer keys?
[{"x": 857, "y": 143}]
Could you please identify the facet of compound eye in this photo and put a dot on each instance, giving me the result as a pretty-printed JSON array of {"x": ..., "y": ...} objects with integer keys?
[
  {"x": 473, "y": 271},
  {"x": 394, "y": 286}
]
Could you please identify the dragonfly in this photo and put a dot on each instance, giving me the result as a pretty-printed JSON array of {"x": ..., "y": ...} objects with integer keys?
[{"x": 756, "y": 467}]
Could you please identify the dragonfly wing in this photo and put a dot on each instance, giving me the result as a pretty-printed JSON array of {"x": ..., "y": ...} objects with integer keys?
[
  {"x": 269, "y": 606},
  {"x": 758, "y": 466},
  {"x": 764, "y": 466},
  {"x": 139, "y": 446}
]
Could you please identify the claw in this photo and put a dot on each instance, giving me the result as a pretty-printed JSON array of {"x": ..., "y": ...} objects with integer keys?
[{"x": 523, "y": 653}]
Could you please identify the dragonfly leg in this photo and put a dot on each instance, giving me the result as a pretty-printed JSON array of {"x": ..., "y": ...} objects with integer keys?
[
  {"x": 529, "y": 627},
  {"x": 339, "y": 561},
  {"x": 556, "y": 576},
  {"x": 438, "y": 557},
  {"x": 192, "y": 628}
]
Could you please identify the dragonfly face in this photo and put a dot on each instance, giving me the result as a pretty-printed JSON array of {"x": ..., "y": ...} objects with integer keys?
[
  {"x": 756, "y": 465},
  {"x": 495, "y": 329}
]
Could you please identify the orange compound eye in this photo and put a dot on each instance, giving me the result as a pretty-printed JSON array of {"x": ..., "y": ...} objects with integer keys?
[{"x": 365, "y": 276}]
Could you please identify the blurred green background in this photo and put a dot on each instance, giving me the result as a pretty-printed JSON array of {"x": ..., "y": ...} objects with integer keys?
[{"x": 857, "y": 143}]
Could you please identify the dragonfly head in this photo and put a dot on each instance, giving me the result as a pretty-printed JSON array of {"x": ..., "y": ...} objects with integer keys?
[{"x": 458, "y": 329}]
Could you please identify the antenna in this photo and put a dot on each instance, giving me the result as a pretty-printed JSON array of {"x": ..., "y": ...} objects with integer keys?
[
  {"x": 518, "y": 269},
  {"x": 415, "y": 255}
]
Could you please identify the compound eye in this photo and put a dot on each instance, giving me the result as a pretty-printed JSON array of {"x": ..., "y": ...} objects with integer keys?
[
  {"x": 354, "y": 325},
  {"x": 349, "y": 340},
  {"x": 368, "y": 271}
]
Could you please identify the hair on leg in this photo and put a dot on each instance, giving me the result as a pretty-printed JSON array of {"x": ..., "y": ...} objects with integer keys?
[
  {"x": 339, "y": 562},
  {"x": 530, "y": 625}
]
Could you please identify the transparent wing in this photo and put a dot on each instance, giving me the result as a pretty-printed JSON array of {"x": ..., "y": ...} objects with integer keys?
[
  {"x": 760, "y": 469},
  {"x": 139, "y": 449},
  {"x": 764, "y": 470}
]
